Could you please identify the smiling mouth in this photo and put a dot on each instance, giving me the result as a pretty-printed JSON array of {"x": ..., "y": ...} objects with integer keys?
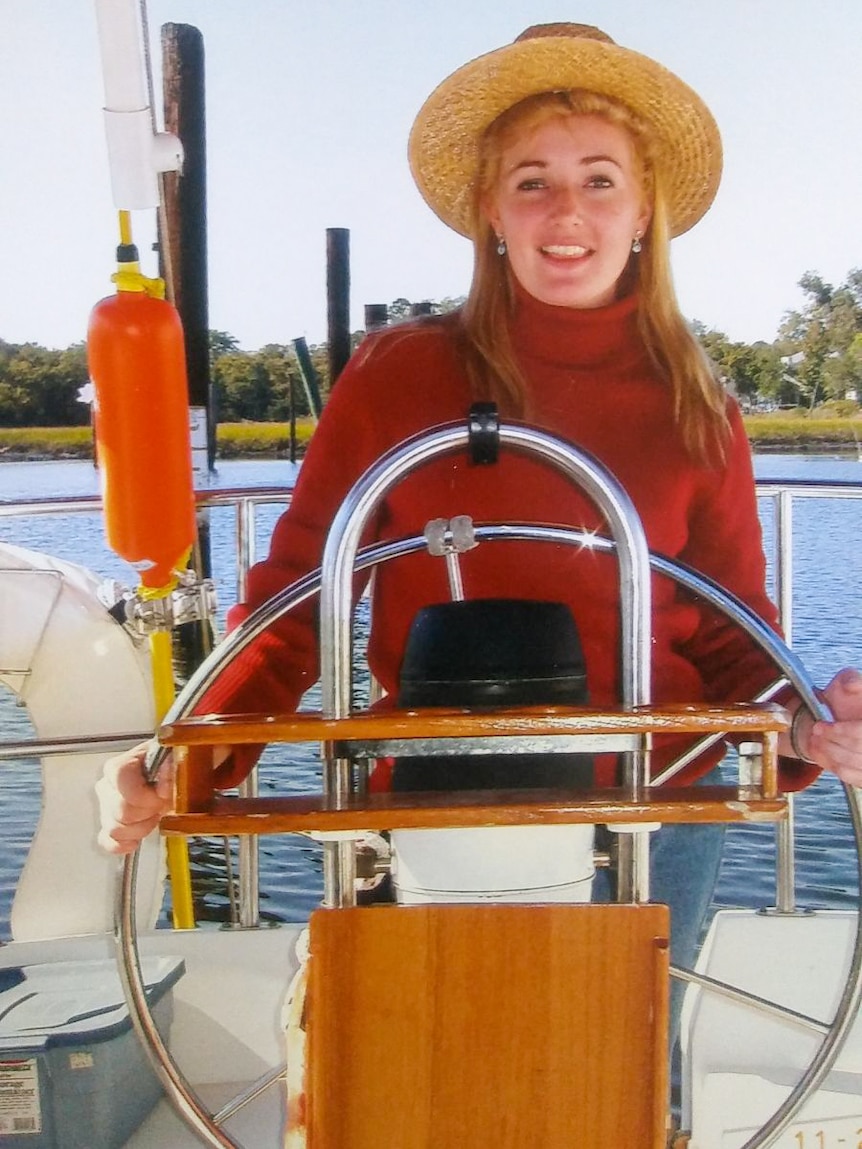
[{"x": 564, "y": 250}]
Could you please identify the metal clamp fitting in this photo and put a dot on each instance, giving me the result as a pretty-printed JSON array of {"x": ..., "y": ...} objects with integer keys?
[
  {"x": 448, "y": 538},
  {"x": 193, "y": 600},
  {"x": 483, "y": 422}
]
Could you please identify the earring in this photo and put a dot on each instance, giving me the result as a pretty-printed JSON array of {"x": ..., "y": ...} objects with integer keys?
[
  {"x": 637, "y": 246},
  {"x": 501, "y": 245}
]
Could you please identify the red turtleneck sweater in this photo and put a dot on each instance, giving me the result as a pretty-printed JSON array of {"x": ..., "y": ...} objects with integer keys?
[{"x": 591, "y": 383}]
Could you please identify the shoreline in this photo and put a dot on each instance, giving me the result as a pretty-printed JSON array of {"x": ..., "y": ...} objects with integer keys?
[
  {"x": 796, "y": 433},
  {"x": 769, "y": 447},
  {"x": 820, "y": 448}
]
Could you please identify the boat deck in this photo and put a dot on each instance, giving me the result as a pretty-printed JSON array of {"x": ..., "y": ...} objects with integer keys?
[{"x": 226, "y": 1031}]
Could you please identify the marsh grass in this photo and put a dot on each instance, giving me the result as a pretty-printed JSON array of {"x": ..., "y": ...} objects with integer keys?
[
  {"x": 802, "y": 430},
  {"x": 234, "y": 441},
  {"x": 46, "y": 442},
  {"x": 797, "y": 429},
  {"x": 238, "y": 440}
]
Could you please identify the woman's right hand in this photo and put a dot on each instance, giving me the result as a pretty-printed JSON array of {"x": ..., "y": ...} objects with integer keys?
[{"x": 130, "y": 807}]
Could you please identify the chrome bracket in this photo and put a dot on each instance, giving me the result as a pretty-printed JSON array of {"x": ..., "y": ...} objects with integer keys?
[
  {"x": 448, "y": 538},
  {"x": 192, "y": 600}
]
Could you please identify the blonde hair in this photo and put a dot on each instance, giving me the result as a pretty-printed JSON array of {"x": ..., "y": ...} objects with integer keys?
[{"x": 698, "y": 398}]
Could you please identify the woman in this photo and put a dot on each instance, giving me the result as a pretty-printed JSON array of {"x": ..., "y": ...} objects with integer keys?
[{"x": 570, "y": 162}]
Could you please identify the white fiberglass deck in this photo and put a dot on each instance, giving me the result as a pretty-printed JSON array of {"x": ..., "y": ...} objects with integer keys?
[{"x": 226, "y": 1030}]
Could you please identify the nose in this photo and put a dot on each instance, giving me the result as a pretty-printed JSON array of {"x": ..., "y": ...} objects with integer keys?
[{"x": 567, "y": 204}]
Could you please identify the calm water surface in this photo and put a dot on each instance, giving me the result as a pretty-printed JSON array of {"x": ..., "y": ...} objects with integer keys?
[{"x": 827, "y": 633}]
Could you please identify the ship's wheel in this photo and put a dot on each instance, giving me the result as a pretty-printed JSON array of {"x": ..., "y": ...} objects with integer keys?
[{"x": 636, "y": 803}]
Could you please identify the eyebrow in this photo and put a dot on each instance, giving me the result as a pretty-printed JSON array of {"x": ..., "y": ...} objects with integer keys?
[{"x": 587, "y": 160}]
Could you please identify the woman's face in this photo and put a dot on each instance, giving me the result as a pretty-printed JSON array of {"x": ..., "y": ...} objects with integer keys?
[{"x": 568, "y": 202}]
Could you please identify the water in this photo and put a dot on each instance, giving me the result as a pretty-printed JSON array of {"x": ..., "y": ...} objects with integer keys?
[
  {"x": 291, "y": 867},
  {"x": 827, "y": 634}
]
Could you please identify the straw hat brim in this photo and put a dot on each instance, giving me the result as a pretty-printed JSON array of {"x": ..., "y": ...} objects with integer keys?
[{"x": 443, "y": 146}]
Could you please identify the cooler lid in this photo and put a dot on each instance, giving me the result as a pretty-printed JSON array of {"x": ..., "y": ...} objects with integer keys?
[{"x": 71, "y": 1002}]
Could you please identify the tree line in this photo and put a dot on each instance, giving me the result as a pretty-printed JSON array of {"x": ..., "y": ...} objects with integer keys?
[{"x": 816, "y": 358}]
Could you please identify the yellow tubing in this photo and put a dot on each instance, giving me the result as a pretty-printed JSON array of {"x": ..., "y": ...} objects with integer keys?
[
  {"x": 128, "y": 276},
  {"x": 179, "y": 869}
]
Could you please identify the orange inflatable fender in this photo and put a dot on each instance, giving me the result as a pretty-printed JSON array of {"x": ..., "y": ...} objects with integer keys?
[{"x": 136, "y": 358}]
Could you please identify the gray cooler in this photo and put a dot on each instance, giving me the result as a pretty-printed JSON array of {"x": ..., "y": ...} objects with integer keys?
[{"x": 72, "y": 1072}]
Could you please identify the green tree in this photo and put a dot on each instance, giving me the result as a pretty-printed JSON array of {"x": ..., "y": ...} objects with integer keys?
[
  {"x": 241, "y": 387},
  {"x": 751, "y": 371},
  {"x": 449, "y": 303},
  {"x": 817, "y": 338},
  {"x": 756, "y": 371},
  {"x": 399, "y": 309},
  {"x": 843, "y": 372},
  {"x": 39, "y": 387},
  {"x": 281, "y": 368},
  {"x": 319, "y": 355},
  {"x": 222, "y": 343}
]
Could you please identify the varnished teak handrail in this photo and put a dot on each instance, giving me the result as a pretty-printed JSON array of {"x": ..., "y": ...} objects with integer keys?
[
  {"x": 442, "y": 722},
  {"x": 200, "y": 810},
  {"x": 310, "y": 812}
]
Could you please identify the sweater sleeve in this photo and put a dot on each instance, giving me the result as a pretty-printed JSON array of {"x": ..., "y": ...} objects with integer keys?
[
  {"x": 275, "y": 670},
  {"x": 726, "y": 543}
]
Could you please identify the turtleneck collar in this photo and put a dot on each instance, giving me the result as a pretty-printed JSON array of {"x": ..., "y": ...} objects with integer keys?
[{"x": 582, "y": 337}]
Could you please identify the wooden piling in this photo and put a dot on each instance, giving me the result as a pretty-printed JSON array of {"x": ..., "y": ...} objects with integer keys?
[
  {"x": 183, "y": 258},
  {"x": 376, "y": 316},
  {"x": 338, "y": 299},
  {"x": 183, "y": 238}
]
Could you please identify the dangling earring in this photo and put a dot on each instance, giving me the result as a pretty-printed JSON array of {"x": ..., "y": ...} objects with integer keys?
[
  {"x": 637, "y": 246},
  {"x": 501, "y": 245}
]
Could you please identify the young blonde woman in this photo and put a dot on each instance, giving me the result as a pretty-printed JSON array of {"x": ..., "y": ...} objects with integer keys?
[{"x": 569, "y": 162}]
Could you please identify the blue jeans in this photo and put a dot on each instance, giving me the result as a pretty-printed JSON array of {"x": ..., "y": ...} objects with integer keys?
[{"x": 684, "y": 865}]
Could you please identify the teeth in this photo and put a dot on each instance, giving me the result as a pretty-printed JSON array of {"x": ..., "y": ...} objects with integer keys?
[{"x": 570, "y": 250}]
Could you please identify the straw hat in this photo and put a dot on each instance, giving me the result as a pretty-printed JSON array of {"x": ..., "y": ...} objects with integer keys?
[{"x": 444, "y": 140}]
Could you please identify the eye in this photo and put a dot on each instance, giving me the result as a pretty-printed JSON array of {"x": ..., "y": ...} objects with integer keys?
[
  {"x": 600, "y": 181},
  {"x": 534, "y": 183}
]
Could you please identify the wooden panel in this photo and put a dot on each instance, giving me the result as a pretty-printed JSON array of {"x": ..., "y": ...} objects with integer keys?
[
  {"x": 306, "y": 812},
  {"x": 499, "y": 1027},
  {"x": 193, "y": 787}
]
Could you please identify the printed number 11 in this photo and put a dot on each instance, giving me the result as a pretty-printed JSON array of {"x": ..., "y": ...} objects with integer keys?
[{"x": 820, "y": 1140}]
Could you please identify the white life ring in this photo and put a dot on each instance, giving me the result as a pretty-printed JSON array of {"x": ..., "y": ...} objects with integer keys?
[{"x": 78, "y": 672}]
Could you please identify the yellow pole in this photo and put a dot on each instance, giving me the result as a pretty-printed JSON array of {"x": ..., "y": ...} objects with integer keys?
[
  {"x": 179, "y": 869},
  {"x": 125, "y": 227}
]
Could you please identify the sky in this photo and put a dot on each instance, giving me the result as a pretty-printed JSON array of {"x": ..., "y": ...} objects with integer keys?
[{"x": 309, "y": 105}]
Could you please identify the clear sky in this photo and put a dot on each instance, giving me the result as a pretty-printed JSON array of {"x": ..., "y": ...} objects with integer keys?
[{"x": 309, "y": 104}]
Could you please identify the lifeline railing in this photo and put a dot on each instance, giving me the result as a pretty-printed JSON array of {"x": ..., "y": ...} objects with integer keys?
[
  {"x": 782, "y": 495},
  {"x": 246, "y": 501}
]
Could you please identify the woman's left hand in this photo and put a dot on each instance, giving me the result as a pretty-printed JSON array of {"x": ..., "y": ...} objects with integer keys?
[{"x": 837, "y": 745}]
